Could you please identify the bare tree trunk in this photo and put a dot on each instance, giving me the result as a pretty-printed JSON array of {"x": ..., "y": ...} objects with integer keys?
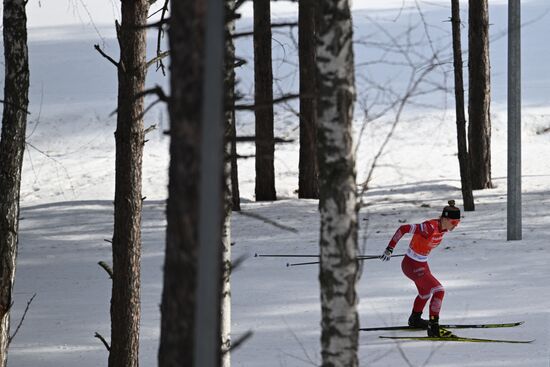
[
  {"x": 263, "y": 89},
  {"x": 463, "y": 158},
  {"x": 186, "y": 38},
  {"x": 230, "y": 100},
  {"x": 229, "y": 202},
  {"x": 308, "y": 183},
  {"x": 12, "y": 147},
  {"x": 337, "y": 186},
  {"x": 479, "y": 128},
  {"x": 125, "y": 301}
]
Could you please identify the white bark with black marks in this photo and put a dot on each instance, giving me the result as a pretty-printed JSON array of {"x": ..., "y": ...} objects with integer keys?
[
  {"x": 12, "y": 147},
  {"x": 337, "y": 186},
  {"x": 225, "y": 304}
]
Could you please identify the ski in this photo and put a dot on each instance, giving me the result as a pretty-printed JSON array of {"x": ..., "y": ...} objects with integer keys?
[
  {"x": 456, "y": 339},
  {"x": 447, "y": 326}
]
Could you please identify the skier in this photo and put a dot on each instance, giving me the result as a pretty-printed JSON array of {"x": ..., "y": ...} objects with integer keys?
[{"x": 426, "y": 236}]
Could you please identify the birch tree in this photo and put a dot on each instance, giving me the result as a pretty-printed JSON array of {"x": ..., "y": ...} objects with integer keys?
[
  {"x": 479, "y": 128},
  {"x": 337, "y": 187},
  {"x": 229, "y": 86},
  {"x": 230, "y": 101},
  {"x": 12, "y": 147}
]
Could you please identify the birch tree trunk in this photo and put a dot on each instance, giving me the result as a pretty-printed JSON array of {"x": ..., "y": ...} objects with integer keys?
[
  {"x": 308, "y": 183},
  {"x": 235, "y": 195},
  {"x": 186, "y": 38},
  {"x": 337, "y": 187},
  {"x": 479, "y": 128},
  {"x": 263, "y": 92},
  {"x": 463, "y": 158},
  {"x": 225, "y": 304},
  {"x": 125, "y": 301},
  {"x": 12, "y": 147}
]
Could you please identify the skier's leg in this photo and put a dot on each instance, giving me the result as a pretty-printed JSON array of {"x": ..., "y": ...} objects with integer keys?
[
  {"x": 436, "y": 291},
  {"x": 432, "y": 288},
  {"x": 436, "y": 302},
  {"x": 420, "y": 302},
  {"x": 415, "y": 271}
]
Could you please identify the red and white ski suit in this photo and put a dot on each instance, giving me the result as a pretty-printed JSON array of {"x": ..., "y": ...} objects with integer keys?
[{"x": 426, "y": 236}]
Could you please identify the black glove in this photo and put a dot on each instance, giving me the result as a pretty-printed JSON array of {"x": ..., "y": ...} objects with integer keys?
[{"x": 387, "y": 254}]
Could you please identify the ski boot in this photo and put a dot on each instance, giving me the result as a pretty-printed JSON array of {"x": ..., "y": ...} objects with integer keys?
[
  {"x": 417, "y": 322},
  {"x": 438, "y": 332}
]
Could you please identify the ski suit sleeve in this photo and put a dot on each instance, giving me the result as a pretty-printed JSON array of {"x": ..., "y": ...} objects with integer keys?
[{"x": 401, "y": 231}]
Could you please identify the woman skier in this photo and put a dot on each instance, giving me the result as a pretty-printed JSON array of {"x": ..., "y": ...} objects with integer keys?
[{"x": 426, "y": 236}]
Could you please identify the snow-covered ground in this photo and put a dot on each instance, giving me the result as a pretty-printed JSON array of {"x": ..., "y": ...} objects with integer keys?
[{"x": 67, "y": 214}]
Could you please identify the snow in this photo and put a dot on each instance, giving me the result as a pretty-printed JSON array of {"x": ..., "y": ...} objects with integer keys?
[{"x": 67, "y": 213}]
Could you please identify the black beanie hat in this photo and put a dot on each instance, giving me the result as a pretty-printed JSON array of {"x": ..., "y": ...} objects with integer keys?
[{"x": 451, "y": 211}]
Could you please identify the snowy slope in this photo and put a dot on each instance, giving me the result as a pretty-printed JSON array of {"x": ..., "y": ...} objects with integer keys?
[{"x": 67, "y": 213}]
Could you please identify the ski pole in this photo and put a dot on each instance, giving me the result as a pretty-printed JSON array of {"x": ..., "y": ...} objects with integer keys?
[
  {"x": 360, "y": 258},
  {"x": 289, "y": 255},
  {"x": 283, "y": 255}
]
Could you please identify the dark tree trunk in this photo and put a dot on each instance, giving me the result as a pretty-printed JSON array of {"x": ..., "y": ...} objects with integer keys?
[
  {"x": 125, "y": 301},
  {"x": 308, "y": 183},
  {"x": 337, "y": 187},
  {"x": 186, "y": 38},
  {"x": 263, "y": 89},
  {"x": 12, "y": 147},
  {"x": 230, "y": 105},
  {"x": 463, "y": 158},
  {"x": 479, "y": 128}
]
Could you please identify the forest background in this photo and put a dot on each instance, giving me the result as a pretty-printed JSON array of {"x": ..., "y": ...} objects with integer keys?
[{"x": 69, "y": 181}]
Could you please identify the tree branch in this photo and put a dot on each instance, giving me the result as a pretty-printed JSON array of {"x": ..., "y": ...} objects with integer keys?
[
  {"x": 107, "y": 268},
  {"x": 149, "y": 129},
  {"x": 239, "y": 62},
  {"x": 157, "y": 90},
  {"x": 273, "y": 25},
  {"x": 161, "y": 55},
  {"x": 275, "y": 101},
  {"x": 158, "y": 59},
  {"x": 116, "y": 64},
  {"x": 100, "y": 337},
  {"x": 252, "y": 138}
]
